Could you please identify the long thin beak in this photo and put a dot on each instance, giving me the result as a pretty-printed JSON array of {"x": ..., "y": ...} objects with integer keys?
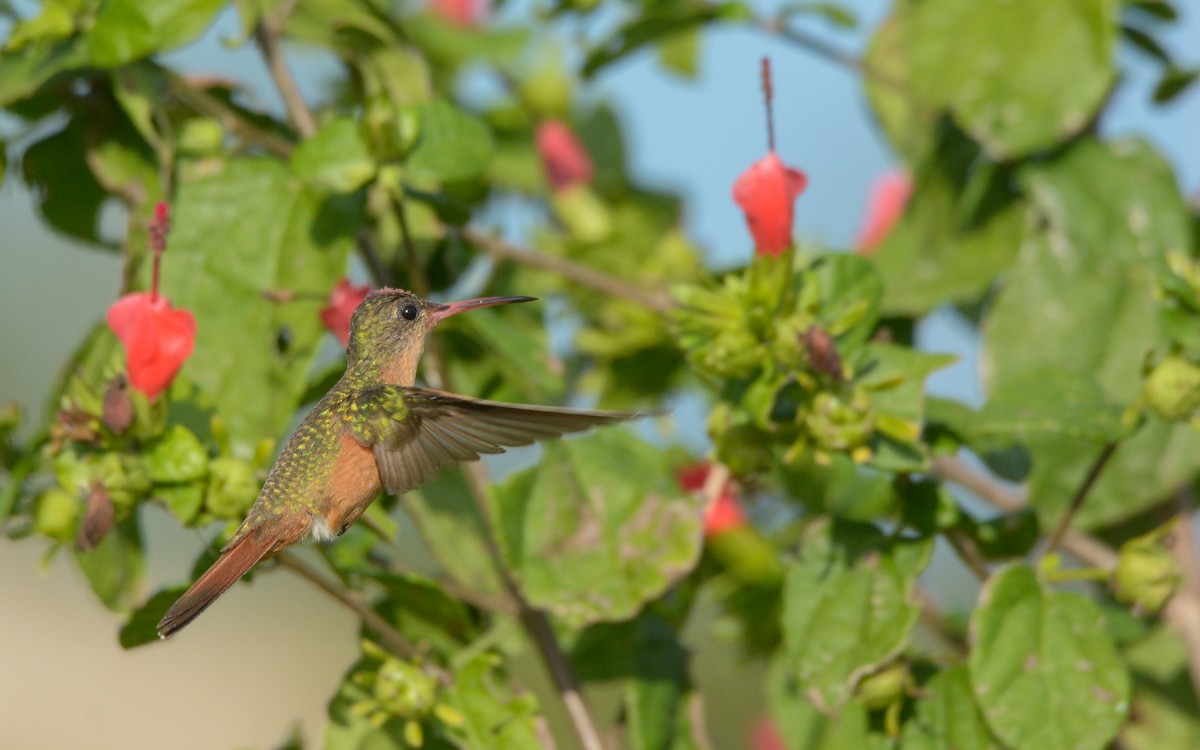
[{"x": 441, "y": 312}]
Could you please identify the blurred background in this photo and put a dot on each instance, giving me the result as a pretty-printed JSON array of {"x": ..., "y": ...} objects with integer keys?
[{"x": 64, "y": 680}]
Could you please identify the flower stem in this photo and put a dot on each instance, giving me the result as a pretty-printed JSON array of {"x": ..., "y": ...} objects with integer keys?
[{"x": 768, "y": 97}]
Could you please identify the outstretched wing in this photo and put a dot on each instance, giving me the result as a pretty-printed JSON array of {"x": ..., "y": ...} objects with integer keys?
[{"x": 415, "y": 432}]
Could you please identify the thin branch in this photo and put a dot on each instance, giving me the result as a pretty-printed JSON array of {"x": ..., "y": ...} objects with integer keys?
[
  {"x": 539, "y": 629},
  {"x": 968, "y": 552},
  {"x": 935, "y": 621},
  {"x": 389, "y": 637},
  {"x": 580, "y": 274},
  {"x": 266, "y": 36},
  {"x": 419, "y": 283},
  {"x": 1080, "y": 495},
  {"x": 957, "y": 471},
  {"x": 370, "y": 254},
  {"x": 821, "y": 48},
  {"x": 230, "y": 119},
  {"x": 537, "y": 625}
]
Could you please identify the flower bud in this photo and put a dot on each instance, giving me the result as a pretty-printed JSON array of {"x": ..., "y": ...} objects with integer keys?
[
  {"x": 1146, "y": 575},
  {"x": 884, "y": 687},
  {"x": 55, "y": 513},
  {"x": 1173, "y": 388}
]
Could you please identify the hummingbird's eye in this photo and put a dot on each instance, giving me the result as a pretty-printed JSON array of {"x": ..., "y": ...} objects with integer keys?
[{"x": 410, "y": 312}]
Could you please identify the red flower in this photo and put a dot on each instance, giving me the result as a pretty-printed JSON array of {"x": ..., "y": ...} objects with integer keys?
[
  {"x": 343, "y": 300},
  {"x": 157, "y": 339},
  {"x": 460, "y": 12},
  {"x": 725, "y": 512},
  {"x": 764, "y": 735},
  {"x": 885, "y": 205},
  {"x": 564, "y": 158},
  {"x": 766, "y": 192}
]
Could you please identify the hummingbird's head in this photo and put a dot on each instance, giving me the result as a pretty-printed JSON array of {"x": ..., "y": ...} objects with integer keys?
[{"x": 389, "y": 327}]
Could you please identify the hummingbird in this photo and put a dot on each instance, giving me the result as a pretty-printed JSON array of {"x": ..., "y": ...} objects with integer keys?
[{"x": 374, "y": 429}]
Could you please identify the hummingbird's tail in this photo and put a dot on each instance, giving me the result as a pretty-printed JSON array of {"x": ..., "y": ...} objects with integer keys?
[{"x": 237, "y": 558}]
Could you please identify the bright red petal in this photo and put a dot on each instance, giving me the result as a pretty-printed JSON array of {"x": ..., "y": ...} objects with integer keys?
[
  {"x": 767, "y": 192},
  {"x": 343, "y": 301},
  {"x": 564, "y": 159},
  {"x": 460, "y": 12},
  {"x": 124, "y": 314},
  {"x": 157, "y": 339},
  {"x": 725, "y": 512},
  {"x": 885, "y": 205},
  {"x": 764, "y": 735}
]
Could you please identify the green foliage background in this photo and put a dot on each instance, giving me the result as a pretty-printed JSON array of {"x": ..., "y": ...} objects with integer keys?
[{"x": 1074, "y": 256}]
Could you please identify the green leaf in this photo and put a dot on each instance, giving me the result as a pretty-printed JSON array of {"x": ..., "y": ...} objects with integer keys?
[
  {"x": 894, "y": 378},
  {"x": 1106, "y": 217},
  {"x": 1043, "y": 669},
  {"x": 68, "y": 194},
  {"x": 23, "y": 70},
  {"x": 142, "y": 626},
  {"x": 652, "y": 25},
  {"x": 126, "y": 30},
  {"x": 901, "y": 116},
  {"x": 242, "y": 228},
  {"x": 947, "y": 717},
  {"x": 1174, "y": 82},
  {"x": 1164, "y": 701},
  {"x": 656, "y": 701},
  {"x": 1019, "y": 76},
  {"x": 452, "y": 146},
  {"x": 836, "y": 14},
  {"x": 680, "y": 53},
  {"x": 599, "y": 527},
  {"x": 848, "y": 605},
  {"x": 454, "y": 45},
  {"x": 1049, "y": 403},
  {"x": 334, "y": 159},
  {"x": 962, "y": 227},
  {"x": 116, "y": 566}
]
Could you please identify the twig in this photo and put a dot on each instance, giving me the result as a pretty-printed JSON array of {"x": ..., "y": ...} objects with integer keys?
[
  {"x": 580, "y": 274},
  {"x": 696, "y": 715},
  {"x": 822, "y": 48},
  {"x": 391, "y": 638},
  {"x": 935, "y": 621},
  {"x": 957, "y": 471},
  {"x": 419, "y": 283},
  {"x": 266, "y": 36},
  {"x": 228, "y": 116},
  {"x": 968, "y": 552},
  {"x": 537, "y": 625},
  {"x": 370, "y": 254},
  {"x": 1080, "y": 495}
]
